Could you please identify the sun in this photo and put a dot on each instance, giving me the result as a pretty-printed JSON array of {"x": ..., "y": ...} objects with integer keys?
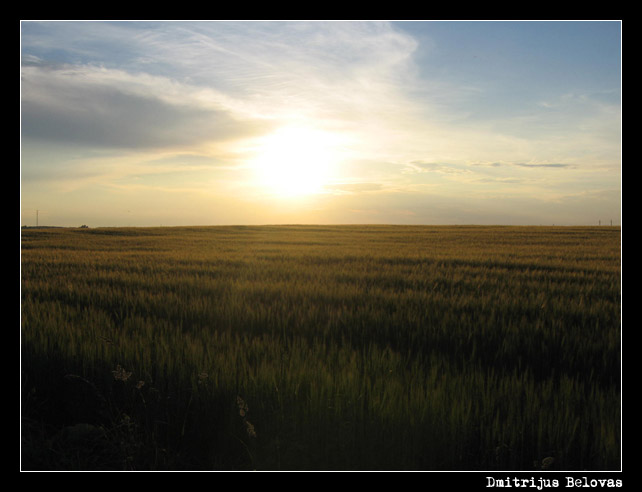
[{"x": 296, "y": 161}]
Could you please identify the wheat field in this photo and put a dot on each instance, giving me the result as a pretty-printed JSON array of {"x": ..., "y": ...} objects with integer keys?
[{"x": 321, "y": 348}]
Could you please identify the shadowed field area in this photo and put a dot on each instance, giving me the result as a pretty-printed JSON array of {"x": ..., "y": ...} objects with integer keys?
[{"x": 321, "y": 348}]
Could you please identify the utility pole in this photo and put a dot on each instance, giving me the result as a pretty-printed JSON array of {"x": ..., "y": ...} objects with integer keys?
[{"x": 36, "y": 218}]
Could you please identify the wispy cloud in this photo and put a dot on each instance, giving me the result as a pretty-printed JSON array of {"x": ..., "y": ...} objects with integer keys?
[
  {"x": 521, "y": 164},
  {"x": 525, "y": 164}
]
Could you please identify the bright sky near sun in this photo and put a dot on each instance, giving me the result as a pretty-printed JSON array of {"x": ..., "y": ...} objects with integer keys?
[{"x": 253, "y": 122}]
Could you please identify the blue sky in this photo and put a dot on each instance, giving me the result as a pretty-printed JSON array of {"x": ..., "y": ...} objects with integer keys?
[{"x": 176, "y": 123}]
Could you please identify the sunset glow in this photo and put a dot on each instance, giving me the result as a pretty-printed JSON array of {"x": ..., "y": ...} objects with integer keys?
[
  {"x": 296, "y": 161},
  {"x": 426, "y": 122}
]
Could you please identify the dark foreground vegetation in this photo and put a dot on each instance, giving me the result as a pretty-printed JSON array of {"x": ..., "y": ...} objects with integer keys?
[{"x": 321, "y": 348}]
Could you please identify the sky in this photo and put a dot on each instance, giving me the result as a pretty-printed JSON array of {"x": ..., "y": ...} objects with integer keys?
[{"x": 132, "y": 123}]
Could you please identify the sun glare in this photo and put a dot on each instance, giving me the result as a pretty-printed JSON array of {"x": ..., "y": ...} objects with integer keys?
[{"x": 296, "y": 161}]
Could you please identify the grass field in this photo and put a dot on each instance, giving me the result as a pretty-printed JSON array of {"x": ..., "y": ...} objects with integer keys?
[{"x": 321, "y": 348}]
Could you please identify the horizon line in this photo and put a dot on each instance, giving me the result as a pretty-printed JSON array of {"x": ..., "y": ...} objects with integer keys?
[{"x": 313, "y": 224}]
